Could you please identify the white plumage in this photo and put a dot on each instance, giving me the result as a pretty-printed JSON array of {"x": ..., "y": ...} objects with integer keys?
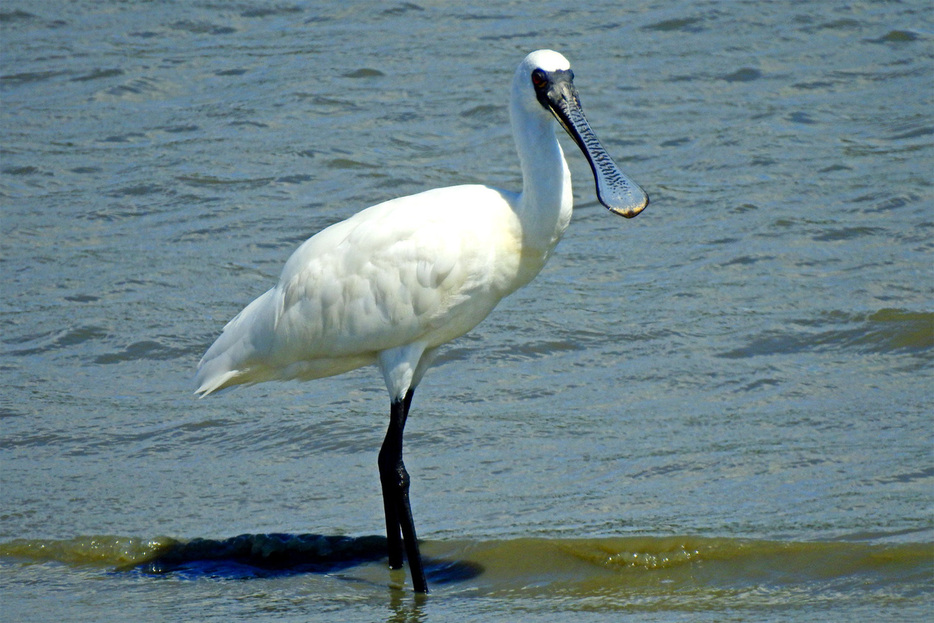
[
  {"x": 422, "y": 270},
  {"x": 397, "y": 280}
]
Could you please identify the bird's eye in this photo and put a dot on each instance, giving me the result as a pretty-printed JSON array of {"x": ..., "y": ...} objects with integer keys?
[{"x": 539, "y": 78}]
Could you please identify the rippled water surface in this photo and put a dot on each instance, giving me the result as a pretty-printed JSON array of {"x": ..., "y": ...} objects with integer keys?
[{"x": 720, "y": 410}]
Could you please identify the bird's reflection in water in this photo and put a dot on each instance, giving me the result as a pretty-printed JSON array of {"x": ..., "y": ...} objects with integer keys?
[{"x": 280, "y": 555}]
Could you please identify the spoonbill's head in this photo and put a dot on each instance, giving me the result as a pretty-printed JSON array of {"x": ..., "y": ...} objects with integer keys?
[{"x": 544, "y": 86}]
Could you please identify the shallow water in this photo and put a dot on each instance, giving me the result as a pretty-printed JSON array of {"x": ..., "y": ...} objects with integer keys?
[
  {"x": 690, "y": 578},
  {"x": 743, "y": 371}
]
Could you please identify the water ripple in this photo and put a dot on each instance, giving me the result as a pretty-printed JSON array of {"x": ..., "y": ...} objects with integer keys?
[{"x": 885, "y": 331}]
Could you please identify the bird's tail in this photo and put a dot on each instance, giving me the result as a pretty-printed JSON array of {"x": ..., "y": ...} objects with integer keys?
[{"x": 235, "y": 357}]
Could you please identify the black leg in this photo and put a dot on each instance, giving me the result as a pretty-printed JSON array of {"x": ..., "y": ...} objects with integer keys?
[
  {"x": 390, "y": 460},
  {"x": 400, "y": 529}
]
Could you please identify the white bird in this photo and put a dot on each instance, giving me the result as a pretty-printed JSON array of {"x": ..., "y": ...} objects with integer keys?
[{"x": 393, "y": 283}]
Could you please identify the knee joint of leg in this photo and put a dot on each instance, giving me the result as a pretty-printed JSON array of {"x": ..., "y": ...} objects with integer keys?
[{"x": 394, "y": 476}]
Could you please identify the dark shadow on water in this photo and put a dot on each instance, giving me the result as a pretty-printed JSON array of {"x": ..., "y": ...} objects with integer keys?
[{"x": 280, "y": 555}]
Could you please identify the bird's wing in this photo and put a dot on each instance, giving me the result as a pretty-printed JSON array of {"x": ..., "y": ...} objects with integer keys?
[{"x": 393, "y": 272}]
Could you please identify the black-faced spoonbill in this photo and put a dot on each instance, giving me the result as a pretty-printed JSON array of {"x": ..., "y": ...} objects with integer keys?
[{"x": 397, "y": 280}]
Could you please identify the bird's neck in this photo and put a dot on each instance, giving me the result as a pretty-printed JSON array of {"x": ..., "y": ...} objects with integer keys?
[{"x": 544, "y": 207}]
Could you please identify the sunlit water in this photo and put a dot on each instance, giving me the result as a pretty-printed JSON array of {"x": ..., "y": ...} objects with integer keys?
[{"x": 720, "y": 410}]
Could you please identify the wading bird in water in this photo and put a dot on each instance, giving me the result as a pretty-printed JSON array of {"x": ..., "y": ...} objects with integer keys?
[{"x": 393, "y": 283}]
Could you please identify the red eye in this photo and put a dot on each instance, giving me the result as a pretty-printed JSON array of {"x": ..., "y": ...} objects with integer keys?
[{"x": 539, "y": 78}]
